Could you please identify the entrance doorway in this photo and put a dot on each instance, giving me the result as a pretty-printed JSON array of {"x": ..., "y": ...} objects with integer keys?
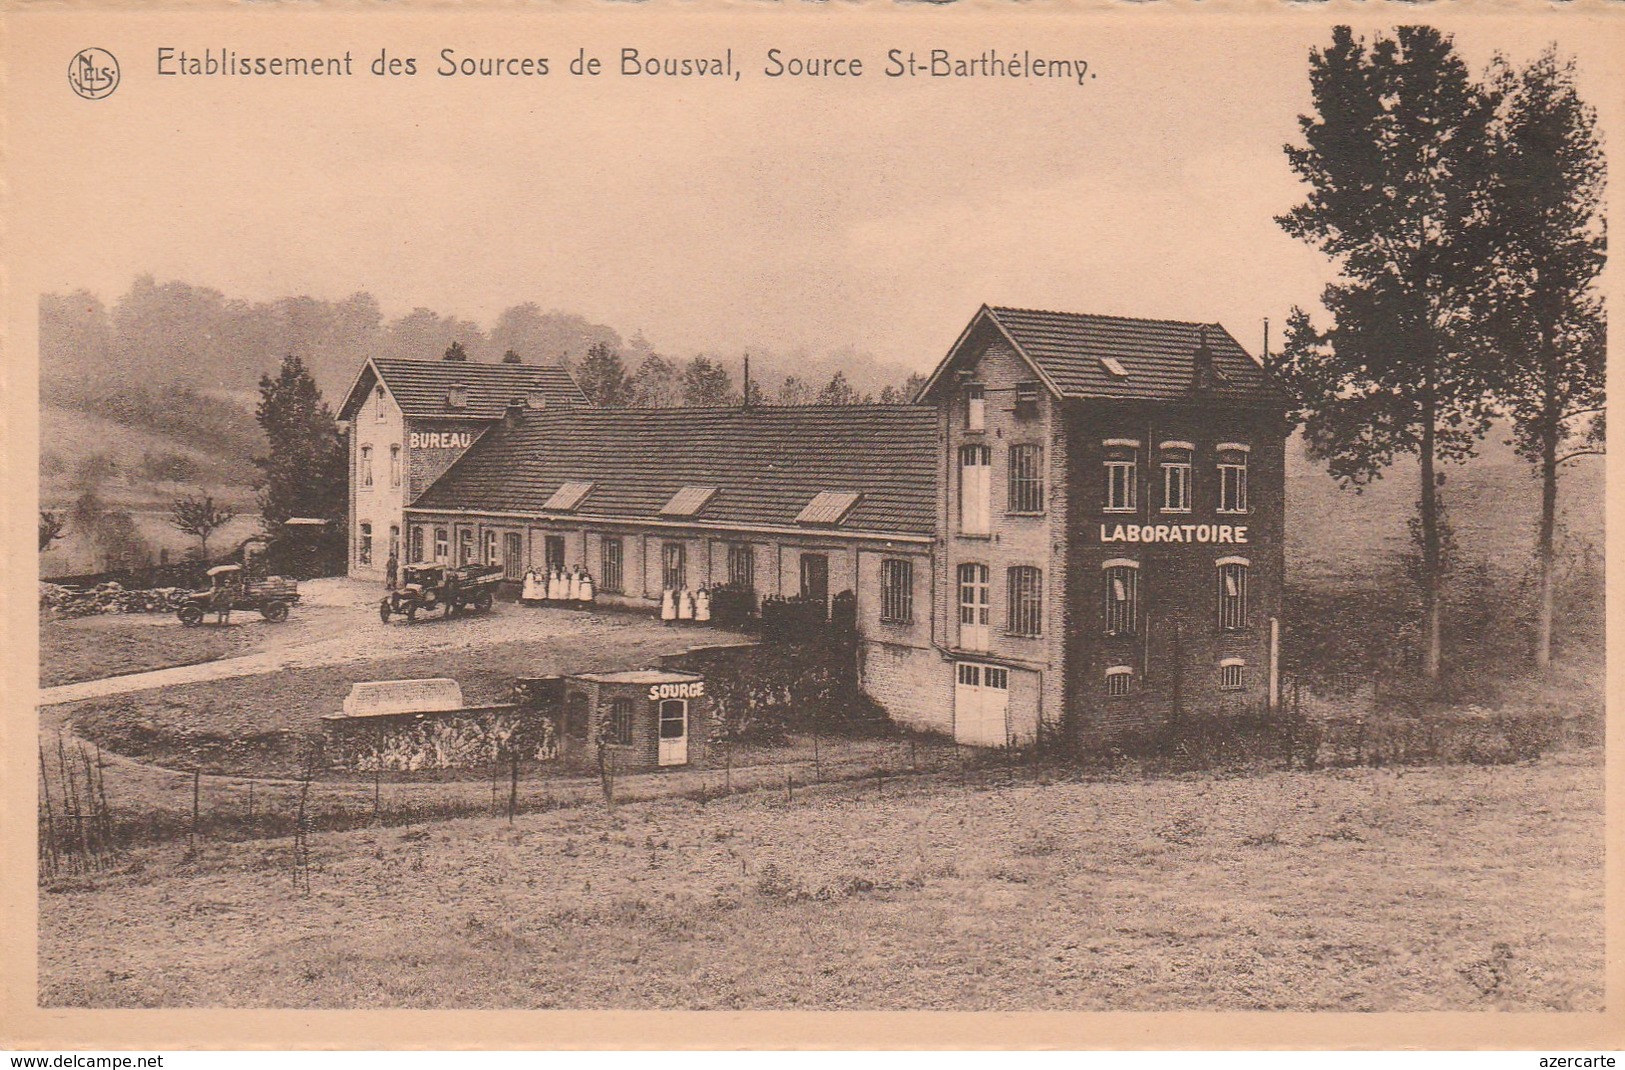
[
  {"x": 553, "y": 552},
  {"x": 981, "y": 705},
  {"x": 815, "y": 579},
  {"x": 674, "y": 731}
]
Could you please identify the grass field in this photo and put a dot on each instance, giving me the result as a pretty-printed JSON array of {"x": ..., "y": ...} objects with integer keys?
[
  {"x": 1419, "y": 889},
  {"x": 112, "y": 644}
]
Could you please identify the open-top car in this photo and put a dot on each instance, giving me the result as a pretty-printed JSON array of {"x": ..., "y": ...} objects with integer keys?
[
  {"x": 230, "y": 588},
  {"x": 427, "y": 588}
]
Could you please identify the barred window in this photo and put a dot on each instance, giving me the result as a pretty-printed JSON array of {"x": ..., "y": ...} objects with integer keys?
[
  {"x": 742, "y": 566},
  {"x": 674, "y": 566},
  {"x": 896, "y": 591},
  {"x": 1231, "y": 676},
  {"x": 610, "y": 574},
  {"x": 442, "y": 544},
  {"x": 417, "y": 543},
  {"x": 366, "y": 466},
  {"x": 1232, "y": 593},
  {"x": 394, "y": 466},
  {"x": 1232, "y": 478},
  {"x": 1176, "y": 477},
  {"x": 1026, "y": 615},
  {"x": 1122, "y": 597},
  {"x": 621, "y": 713},
  {"x": 1118, "y": 680},
  {"x": 1027, "y": 479},
  {"x": 363, "y": 549},
  {"x": 491, "y": 548}
]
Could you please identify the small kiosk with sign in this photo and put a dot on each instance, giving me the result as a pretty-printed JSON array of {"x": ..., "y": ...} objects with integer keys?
[{"x": 647, "y": 718}]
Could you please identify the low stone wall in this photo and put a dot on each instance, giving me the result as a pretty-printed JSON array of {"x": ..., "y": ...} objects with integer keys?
[{"x": 450, "y": 739}]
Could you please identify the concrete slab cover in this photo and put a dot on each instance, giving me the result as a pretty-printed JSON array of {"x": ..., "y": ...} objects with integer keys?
[{"x": 376, "y": 697}]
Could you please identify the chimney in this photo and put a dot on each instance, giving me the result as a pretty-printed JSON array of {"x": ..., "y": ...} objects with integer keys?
[{"x": 1202, "y": 377}]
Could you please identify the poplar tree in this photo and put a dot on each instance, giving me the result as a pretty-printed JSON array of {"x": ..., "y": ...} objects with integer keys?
[
  {"x": 1547, "y": 332},
  {"x": 305, "y": 473},
  {"x": 1396, "y": 160},
  {"x": 603, "y": 377}
]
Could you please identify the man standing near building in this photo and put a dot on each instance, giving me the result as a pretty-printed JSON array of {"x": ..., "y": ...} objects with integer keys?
[{"x": 391, "y": 568}]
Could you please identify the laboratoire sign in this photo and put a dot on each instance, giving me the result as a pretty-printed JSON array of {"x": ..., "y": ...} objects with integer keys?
[{"x": 1234, "y": 534}]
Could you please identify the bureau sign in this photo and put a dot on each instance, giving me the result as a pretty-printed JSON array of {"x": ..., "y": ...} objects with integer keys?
[
  {"x": 660, "y": 691},
  {"x": 440, "y": 440}
]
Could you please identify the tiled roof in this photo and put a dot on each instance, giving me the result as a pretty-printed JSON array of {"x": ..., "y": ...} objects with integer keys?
[
  {"x": 766, "y": 462},
  {"x": 1157, "y": 356},
  {"x": 420, "y": 387}
]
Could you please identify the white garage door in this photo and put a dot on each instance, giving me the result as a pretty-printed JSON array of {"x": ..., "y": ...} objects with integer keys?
[{"x": 981, "y": 705}]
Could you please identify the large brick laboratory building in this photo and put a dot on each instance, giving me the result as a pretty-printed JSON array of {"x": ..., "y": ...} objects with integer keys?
[{"x": 1077, "y": 528}]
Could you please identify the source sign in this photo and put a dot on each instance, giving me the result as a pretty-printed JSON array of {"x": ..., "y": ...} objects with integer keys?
[{"x": 693, "y": 690}]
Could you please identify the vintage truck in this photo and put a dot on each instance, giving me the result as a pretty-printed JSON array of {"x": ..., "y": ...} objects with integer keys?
[
  {"x": 427, "y": 588},
  {"x": 269, "y": 595}
]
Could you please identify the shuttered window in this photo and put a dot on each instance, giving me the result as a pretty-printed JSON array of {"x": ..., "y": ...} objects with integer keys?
[
  {"x": 1026, "y": 605},
  {"x": 621, "y": 713},
  {"x": 975, "y": 467}
]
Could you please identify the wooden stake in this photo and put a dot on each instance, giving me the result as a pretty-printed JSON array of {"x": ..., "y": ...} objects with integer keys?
[
  {"x": 513, "y": 789},
  {"x": 191, "y": 838}
]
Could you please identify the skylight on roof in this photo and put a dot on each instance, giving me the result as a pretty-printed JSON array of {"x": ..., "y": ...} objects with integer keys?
[
  {"x": 828, "y": 507},
  {"x": 1113, "y": 365},
  {"x": 687, "y": 501},
  {"x": 567, "y": 497}
]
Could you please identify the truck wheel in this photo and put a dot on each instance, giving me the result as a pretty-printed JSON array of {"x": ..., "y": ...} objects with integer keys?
[
  {"x": 190, "y": 614},
  {"x": 412, "y": 613},
  {"x": 275, "y": 612},
  {"x": 482, "y": 601},
  {"x": 383, "y": 611}
]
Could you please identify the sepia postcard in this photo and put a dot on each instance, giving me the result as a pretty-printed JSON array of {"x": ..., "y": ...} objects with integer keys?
[{"x": 606, "y": 525}]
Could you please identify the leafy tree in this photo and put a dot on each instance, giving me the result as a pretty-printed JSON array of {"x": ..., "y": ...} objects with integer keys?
[
  {"x": 655, "y": 384},
  {"x": 52, "y": 525},
  {"x": 602, "y": 376},
  {"x": 912, "y": 387},
  {"x": 706, "y": 383},
  {"x": 455, "y": 351},
  {"x": 194, "y": 515},
  {"x": 511, "y": 357},
  {"x": 1544, "y": 314},
  {"x": 1396, "y": 160},
  {"x": 120, "y": 542},
  {"x": 795, "y": 392},
  {"x": 86, "y": 512},
  {"x": 93, "y": 470},
  {"x": 838, "y": 392},
  {"x": 306, "y": 471}
]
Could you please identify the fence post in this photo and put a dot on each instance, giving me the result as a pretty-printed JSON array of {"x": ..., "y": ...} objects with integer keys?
[
  {"x": 513, "y": 789},
  {"x": 191, "y": 838},
  {"x": 789, "y": 787}
]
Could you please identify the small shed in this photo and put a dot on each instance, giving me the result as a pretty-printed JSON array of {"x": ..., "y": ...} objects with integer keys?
[{"x": 646, "y": 718}]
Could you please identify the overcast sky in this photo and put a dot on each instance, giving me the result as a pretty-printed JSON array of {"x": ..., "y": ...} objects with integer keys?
[{"x": 877, "y": 213}]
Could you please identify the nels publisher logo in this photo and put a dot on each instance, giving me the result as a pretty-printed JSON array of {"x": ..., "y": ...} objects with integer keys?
[{"x": 93, "y": 73}]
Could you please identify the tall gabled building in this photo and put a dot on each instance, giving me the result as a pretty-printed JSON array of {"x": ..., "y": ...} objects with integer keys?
[
  {"x": 1111, "y": 522},
  {"x": 408, "y": 420}
]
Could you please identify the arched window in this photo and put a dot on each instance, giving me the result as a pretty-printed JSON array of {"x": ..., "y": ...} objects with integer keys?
[
  {"x": 1175, "y": 485},
  {"x": 1232, "y": 674},
  {"x": 1233, "y": 593},
  {"x": 1122, "y": 581},
  {"x": 379, "y": 404},
  {"x": 1121, "y": 461},
  {"x": 1233, "y": 477},
  {"x": 1119, "y": 678}
]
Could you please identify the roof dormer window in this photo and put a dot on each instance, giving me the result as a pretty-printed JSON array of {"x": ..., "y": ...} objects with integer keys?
[
  {"x": 828, "y": 507},
  {"x": 687, "y": 501}
]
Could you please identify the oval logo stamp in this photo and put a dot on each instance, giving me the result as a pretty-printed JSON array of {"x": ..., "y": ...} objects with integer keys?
[{"x": 93, "y": 73}]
